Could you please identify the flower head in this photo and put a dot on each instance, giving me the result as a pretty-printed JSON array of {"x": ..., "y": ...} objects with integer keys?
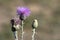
[
  {"x": 23, "y": 10},
  {"x": 17, "y": 21}
]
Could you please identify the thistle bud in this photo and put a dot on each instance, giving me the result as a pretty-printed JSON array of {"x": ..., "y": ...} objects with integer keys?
[{"x": 35, "y": 23}]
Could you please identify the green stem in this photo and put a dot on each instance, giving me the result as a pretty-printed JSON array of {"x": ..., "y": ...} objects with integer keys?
[
  {"x": 16, "y": 35},
  {"x": 33, "y": 35},
  {"x": 22, "y": 30}
]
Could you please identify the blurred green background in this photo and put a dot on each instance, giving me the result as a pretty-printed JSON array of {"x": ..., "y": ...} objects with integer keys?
[{"x": 47, "y": 12}]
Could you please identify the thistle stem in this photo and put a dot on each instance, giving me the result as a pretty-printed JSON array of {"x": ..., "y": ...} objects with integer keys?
[
  {"x": 22, "y": 30},
  {"x": 16, "y": 35},
  {"x": 33, "y": 35}
]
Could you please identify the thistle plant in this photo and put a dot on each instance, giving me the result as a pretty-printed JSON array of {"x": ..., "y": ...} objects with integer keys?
[
  {"x": 15, "y": 27},
  {"x": 34, "y": 26},
  {"x": 23, "y": 13}
]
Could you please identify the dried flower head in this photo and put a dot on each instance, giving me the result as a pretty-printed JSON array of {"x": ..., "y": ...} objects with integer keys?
[{"x": 17, "y": 21}]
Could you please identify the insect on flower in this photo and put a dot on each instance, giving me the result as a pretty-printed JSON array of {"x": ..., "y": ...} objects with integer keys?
[{"x": 23, "y": 12}]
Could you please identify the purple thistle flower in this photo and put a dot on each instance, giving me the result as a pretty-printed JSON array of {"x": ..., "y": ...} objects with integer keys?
[{"x": 23, "y": 10}]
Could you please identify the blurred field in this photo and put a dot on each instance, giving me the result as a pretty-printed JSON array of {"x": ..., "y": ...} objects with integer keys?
[{"x": 46, "y": 11}]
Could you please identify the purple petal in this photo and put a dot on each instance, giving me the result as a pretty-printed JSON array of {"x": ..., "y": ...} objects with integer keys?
[{"x": 23, "y": 10}]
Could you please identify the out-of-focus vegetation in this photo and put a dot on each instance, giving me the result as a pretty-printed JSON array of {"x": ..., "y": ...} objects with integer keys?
[{"x": 46, "y": 11}]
